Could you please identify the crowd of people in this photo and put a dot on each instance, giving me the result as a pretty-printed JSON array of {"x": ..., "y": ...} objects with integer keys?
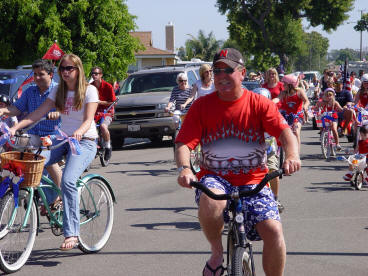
[{"x": 238, "y": 130}]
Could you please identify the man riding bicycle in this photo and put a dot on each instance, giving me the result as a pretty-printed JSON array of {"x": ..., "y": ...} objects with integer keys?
[
  {"x": 230, "y": 125},
  {"x": 107, "y": 96}
]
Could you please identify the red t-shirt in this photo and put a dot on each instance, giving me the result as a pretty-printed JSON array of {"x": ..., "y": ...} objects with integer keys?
[
  {"x": 291, "y": 104},
  {"x": 231, "y": 135},
  {"x": 363, "y": 146},
  {"x": 363, "y": 99},
  {"x": 275, "y": 91},
  {"x": 105, "y": 93}
]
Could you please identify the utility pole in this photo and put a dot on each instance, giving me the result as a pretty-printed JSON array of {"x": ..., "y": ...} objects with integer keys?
[{"x": 361, "y": 37}]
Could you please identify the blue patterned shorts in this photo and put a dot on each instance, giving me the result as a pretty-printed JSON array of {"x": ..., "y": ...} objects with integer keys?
[{"x": 256, "y": 208}]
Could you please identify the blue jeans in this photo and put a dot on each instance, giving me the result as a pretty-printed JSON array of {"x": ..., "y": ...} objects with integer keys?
[{"x": 74, "y": 167}]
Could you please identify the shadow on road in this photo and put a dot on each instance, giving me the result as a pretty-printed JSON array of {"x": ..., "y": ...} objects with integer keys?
[
  {"x": 187, "y": 225},
  {"x": 326, "y": 168}
]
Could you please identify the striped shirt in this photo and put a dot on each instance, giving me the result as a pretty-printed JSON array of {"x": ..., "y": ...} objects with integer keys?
[
  {"x": 179, "y": 97},
  {"x": 30, "y": 100}
]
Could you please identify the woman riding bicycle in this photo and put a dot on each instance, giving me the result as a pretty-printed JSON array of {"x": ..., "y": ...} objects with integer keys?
[
  {"x": 203, "y": 86},
  {"x": 293, "y": 100},
  {"x": 329, "y": 104},
  {"x": 77, "y": 102},
  {"x": 180, "y": 94}
]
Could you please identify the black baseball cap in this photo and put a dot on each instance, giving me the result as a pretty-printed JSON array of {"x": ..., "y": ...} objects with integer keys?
[{"x": 229, "y": 56}]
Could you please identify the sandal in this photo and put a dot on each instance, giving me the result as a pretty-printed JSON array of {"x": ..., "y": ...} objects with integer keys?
[
  {"x": 220, "y": 267},
  {"x": 69, "y": 244},
  {"x": 56, "y": 204}
]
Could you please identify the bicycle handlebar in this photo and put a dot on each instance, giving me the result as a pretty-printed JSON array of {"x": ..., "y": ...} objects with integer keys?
[
  {"x": 35, "y": 148},
  {"x": 254, "y": 191}
]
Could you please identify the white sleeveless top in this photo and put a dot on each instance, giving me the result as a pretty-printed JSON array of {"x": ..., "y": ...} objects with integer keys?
[{"x": 202, "y": 91}]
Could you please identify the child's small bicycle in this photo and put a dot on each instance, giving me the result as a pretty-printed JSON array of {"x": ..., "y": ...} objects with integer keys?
[
  {"x": 358, "y": 163},
  {"x": 328, "y": 143}
]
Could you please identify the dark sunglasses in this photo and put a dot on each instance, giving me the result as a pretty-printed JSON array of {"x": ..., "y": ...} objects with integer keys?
[
  {"x": 67, "y": 68},
  {"x": 183, "y": 80},
  {"x": 95, "y": 73},
  {"x": 227, "y": 70}
]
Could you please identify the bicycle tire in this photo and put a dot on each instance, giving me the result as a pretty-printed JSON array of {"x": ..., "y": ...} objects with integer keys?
[
  {"x": 324, "y": 142},
  {"x": 242, "y": 262},
  {"x": 17, "y": 243},
  {"x": 96, "y": 216},
  {"x": 231, "y": 241},
  {"x": 104, "y": 162},
  {"x": 358, "y": 180}
]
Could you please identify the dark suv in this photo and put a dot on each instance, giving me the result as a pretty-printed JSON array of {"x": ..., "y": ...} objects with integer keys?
[
  {"x": 11, "y": 80},
  {"x": 140, "y": 111}
]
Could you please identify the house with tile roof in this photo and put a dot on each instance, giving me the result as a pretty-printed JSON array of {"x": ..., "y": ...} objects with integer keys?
[{"x": 152, "y": 56}]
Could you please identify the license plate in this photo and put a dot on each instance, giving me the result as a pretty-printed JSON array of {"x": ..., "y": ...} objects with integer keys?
[{"x": 134, "y": 127}]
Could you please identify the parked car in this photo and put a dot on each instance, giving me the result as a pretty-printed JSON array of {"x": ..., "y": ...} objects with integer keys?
[
  {"x": 140, "y": 111},
  {"x": 11, "y": 80}
]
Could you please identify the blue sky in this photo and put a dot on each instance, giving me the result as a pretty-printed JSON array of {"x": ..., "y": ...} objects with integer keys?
[{"x": 190, "y": 16}]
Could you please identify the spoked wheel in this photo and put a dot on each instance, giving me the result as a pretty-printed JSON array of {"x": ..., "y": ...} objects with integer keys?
[
  {"x": 242, "y": 263},
  {"x": 17, "y": 237},
  {"x": 195, "y": 156},
  {"x": 324, "y": 145},
  {"x": 96, "y": 216},
  {"x": 358, "y": 180}
]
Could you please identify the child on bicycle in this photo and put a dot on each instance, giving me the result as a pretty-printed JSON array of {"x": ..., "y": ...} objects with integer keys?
[
  {"x": 9, "y": 120},
  {"x": 328, "y": 104},
  {"x": 362, "y": 149}
]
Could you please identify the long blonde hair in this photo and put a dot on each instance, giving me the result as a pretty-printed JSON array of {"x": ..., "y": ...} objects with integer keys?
[
  {"x": 80, "y": 90},
  {"x": 268, "y": 75},
  {"x": 288, "y": 90}
]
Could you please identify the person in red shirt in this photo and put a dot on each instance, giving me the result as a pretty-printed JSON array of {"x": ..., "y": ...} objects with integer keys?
[
  {"x": 230, "y": 124},
  {"x": 106, "y": 96},
  {"x": 272, "y": 83}
]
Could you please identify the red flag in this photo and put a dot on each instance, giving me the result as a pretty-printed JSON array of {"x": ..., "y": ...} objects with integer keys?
[
  {"x": 54, "y": 53},
  {"x": 29, "y": 79}
]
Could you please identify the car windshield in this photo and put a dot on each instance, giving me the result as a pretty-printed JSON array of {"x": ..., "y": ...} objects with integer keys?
[
  {"x": 308, "y": 77},
  {"x": 5, "y": 81},
  {"x": 152, "y": 82}
]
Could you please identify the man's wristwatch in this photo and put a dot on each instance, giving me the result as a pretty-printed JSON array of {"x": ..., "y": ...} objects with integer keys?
[{"x": 182, "y": 168}]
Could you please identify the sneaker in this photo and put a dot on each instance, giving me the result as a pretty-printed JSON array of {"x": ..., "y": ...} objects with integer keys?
[
  {"x": 280, "y": 206},
  {"x": 347, "y": 177},
  {"x": 107, "y": 153},
  {"x": 338, "y": 147}
]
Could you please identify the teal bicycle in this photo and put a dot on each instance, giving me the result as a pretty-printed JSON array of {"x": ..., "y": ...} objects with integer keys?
[{"x": 19, "y": 217}]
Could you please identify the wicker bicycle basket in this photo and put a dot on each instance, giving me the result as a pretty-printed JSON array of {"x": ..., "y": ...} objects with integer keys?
[{"x": 32, "y": 166}]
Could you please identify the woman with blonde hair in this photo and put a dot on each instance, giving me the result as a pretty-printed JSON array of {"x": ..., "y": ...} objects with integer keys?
[
  {"x": 77, "y": 101},
  {"x": 203, "y": 86},
  {"x": 272, "y": 83},
  {"x": 293, "y": 100}
]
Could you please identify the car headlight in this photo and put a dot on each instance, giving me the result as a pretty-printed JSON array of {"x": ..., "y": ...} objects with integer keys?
[{"x": 161, "y": 106}]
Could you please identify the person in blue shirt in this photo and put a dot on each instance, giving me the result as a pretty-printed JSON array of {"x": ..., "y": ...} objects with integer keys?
[
  {"x": 345, "y": 99},
  {"x": 30, "y": 100}
]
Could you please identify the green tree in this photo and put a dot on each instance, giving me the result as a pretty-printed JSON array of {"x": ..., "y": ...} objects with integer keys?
[
  {"x": 266, "y": 27},
  {"x": 313, "y": 57},
  {"x": 97, "y": 31},
  {"x": 202, "y": 47},
  {"x": 362, "y": 24}
]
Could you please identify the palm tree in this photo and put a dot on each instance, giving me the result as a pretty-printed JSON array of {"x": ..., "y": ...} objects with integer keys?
[{"x": 202, "y": 47}]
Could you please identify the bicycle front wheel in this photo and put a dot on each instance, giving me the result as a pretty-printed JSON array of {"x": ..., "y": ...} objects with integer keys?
[
  {"x": 242, "y": 262},
  {"x": 18, "y": 231},
  {"x": 358, "y": 180},
  {"x": 96, "y": 216},
  {"x": 324, "y": 144}
]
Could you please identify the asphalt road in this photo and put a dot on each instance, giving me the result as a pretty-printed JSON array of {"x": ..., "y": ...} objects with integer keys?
[{"x": 156, "y": 231}]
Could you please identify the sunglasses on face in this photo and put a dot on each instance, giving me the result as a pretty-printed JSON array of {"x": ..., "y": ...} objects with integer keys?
[
  {"x": 67, "y": 68},
  {"x": 183, "y": 80},
  {"x": 209, "y": 71},
  {"x": 95, "y": 73},
  {"x": 227, "y": 70}
]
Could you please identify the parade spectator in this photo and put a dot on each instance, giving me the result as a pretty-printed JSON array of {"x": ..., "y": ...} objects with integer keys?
[{"x": 272, "y": 83}]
